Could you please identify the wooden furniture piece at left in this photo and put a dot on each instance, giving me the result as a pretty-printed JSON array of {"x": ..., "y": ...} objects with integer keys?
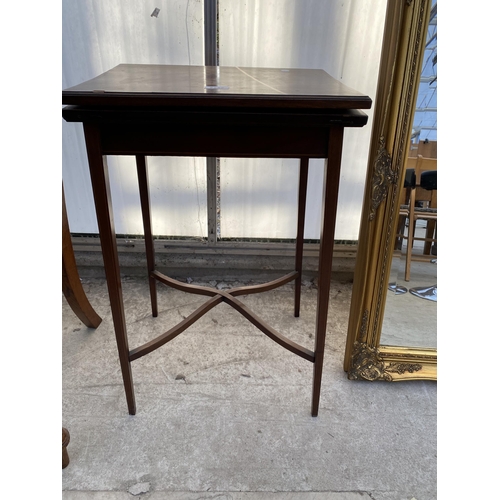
[
  {"x": 65, "y": 442},
  {"x": 71, "y": 285},
  {"x": 76, "y": 298},
  {"x": 212, "y": 111}
]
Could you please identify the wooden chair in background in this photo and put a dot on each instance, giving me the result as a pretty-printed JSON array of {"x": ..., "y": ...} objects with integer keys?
[
  {"x": 404, "y": 200},
  {"x": 422, "y": 205}
]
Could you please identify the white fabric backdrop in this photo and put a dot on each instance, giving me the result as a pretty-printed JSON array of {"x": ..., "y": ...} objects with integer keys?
[
  {"x": 98, "y": 35},
  {"x": 343, "y": 37}
]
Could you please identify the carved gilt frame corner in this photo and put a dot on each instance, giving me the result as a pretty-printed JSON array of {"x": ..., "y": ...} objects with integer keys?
[{"x": 401, "y": 60}]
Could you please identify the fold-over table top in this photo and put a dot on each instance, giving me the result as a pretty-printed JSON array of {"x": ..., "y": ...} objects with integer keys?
[{"x": 168, "y": 85}]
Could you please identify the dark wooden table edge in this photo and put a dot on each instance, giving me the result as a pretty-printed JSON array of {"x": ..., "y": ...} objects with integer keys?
[{"x": 215, "y": 100}]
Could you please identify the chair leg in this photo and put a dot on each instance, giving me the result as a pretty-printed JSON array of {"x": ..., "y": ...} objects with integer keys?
[
  {"x": 429, "y": 233},
  {"x": 398, "y": 245},
  {"x": 411, "y": 228},
  {"x": 409, "y": 249}
]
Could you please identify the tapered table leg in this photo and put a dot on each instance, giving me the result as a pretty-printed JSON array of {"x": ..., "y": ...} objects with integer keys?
[
  {"x": 71, "y": 285},
  {"x": 102, "y": 200},
  {"x": 329, "y": 209},
  {"x": 299, "y": 245},
  {"x": 142, "y": 175}
]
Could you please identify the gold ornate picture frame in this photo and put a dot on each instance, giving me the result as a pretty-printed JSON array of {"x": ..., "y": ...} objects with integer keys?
[{"x": 401, "y": 60}]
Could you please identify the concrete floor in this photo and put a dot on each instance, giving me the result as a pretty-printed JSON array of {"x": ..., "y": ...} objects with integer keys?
[
  {"x": 224, "y": 413},
  {"x": 408, "y": 320}
]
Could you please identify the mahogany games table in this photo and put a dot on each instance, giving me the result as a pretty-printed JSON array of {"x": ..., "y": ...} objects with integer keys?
[{"x": 146, "y": 110}]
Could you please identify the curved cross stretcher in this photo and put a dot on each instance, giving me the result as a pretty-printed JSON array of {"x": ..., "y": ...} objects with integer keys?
[
  {"x": 219, "y": 296},
  {"x": 229, "y": 297}
]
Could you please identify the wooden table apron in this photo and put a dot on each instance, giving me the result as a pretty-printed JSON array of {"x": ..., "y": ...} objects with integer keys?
[{"x": 220, "y": 132}]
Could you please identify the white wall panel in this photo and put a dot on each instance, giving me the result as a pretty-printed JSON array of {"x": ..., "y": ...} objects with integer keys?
[
  {"x": 342, "y": 37},
  {"x": 262, "y": 194},
  {"x": 249, "y": 205},
  {"x": 177, "y": 192},
  {"x": 96, "y": 36}
]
